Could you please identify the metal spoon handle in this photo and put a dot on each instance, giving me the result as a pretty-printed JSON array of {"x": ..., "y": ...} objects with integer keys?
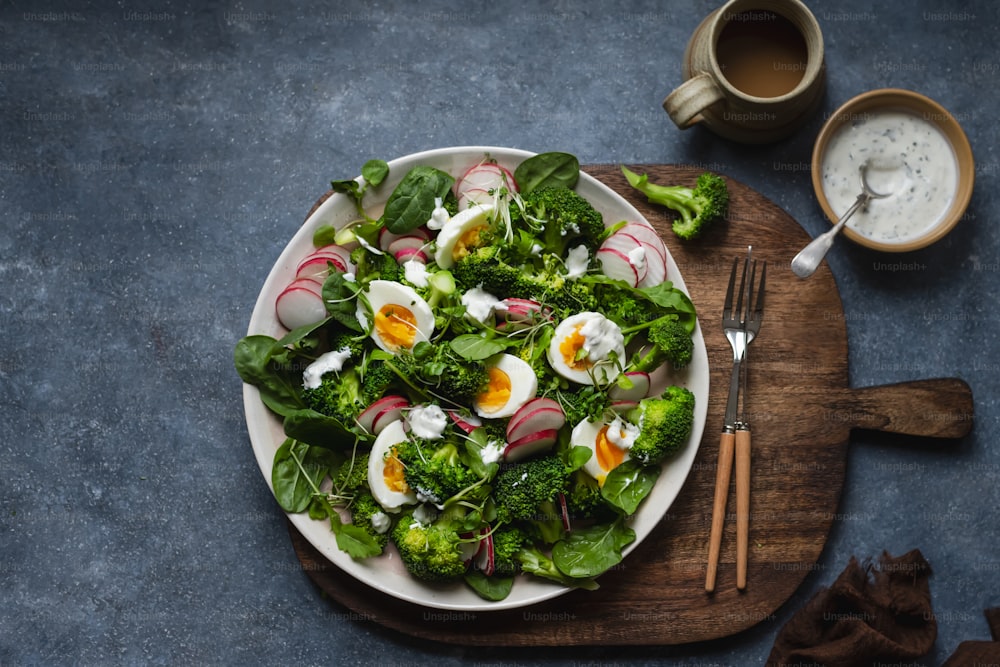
[{"x": 807, "y": 261}]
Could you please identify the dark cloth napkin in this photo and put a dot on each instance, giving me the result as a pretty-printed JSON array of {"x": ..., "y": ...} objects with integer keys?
[{"x": 872, "y": 613}]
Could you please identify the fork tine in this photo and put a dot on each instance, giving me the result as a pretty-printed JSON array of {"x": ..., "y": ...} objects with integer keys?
[
  {"x": 758, "y": 306},
  {"x": 727, "y": 307},
  {"x": 747, "y": 317}
]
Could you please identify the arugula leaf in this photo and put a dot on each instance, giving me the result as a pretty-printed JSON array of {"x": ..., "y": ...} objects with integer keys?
[
  {"x": 628, "y": 484},
  {"x": 353, "y": 540},
  {"x": 591, "y": 551},
  {"x": 412, "y": 202},
  {"x": 547, "y": 170}
]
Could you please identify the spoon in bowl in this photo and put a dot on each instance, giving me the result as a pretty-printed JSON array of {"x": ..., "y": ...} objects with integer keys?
[{"x": 807, "y": 261}]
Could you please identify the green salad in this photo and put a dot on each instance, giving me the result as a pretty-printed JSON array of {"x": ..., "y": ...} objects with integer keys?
[{"x": 466, "y": 376}]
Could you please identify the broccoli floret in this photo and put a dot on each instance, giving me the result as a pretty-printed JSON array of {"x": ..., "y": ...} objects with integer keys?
[
  {"x": 567, "y": 218},
  {"x": 507, "y": 542},
  {"x": 584, "y": 499},
  {"x": 485, "y": 267},
  {"x": 528, "y": 492},
  {"x": 585, "y": 403},
  {"x": 431, "y": 552},
  {"x": 698, "y": 207},
  {"x": 669, "y": 341},
  {"x": 665, "y": 424},
  {"x": 376, "y": 380},
  {"x": 434, "y": 471},
  {"x": 352, "y": 475},
  {"x": 439, "y": 369},
  {"x": 371, "y": 266},
  {"x": 369, "y": 515},
  {"x": 338, "y": 395}
]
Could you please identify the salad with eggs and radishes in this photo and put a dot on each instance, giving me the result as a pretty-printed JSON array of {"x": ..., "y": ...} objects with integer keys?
[{"x": 480, "y": 376}]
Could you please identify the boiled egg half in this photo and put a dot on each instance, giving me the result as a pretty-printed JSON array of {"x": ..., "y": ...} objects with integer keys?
[
  {"x": 385, "y": 472},
  {"x": 587, "y": 348},
  {"x": 461, "y": 233},
  {"x": 608, "y": 444},
  {"x": 401, "y": 316},
  {"x": 512, "y": 383}
]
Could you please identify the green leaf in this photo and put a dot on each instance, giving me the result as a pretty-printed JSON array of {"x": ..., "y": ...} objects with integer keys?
[
  {"x": 628, "y": 484},
  {"x": 341, "y": 302},
  {"x": 278, "y": 389},
  {"x": 318, "y": 429},
  {"x": 355, "y": 540},
  {"x": 297, "y": 472},
  {"x": 412, "y": 202},
  {"x": 476, "y": 348},
  {"x": 578, "y": 456},
  {"x": 374, "y": 172},
  {"x": 493, "y": 589},
  {"x": 589, "y": 552},
  {"x": 324, "y": 235},
  {"x": 547, "y": 170}
]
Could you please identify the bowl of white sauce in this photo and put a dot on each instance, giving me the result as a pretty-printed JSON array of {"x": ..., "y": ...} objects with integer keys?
[{"x": 915, "y": 150}]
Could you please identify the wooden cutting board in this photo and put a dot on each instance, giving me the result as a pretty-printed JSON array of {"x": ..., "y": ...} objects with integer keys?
[{"x": 802, "y": 413}]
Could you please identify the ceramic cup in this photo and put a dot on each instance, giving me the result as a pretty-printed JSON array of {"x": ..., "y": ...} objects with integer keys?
[{"x": 753, "y": 70}]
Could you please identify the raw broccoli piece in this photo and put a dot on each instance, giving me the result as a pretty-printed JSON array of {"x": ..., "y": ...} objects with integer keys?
[
  {"x": 669, "y": 341},
  {"x": 439, "y": 369},
  {"x": 435, "y": 471},
  {"x": 338, "y": 395},
  {"x": 352, "y": 475},
  {"x": 485, "y": 267},
  {"x": 585, "y": 403},
  {"x": 584, "y": 499},
  {"x": 376, "y": 380},
  {"x": 369, "y": 515},
  {"x": 698, "y": 207},
  {"x": 528, "y": 493},
  {"x": 431, "y": 552},
  {"x": 372, "y": 266},
  {"x": 567, "y": 218},
  {"x": 665, "y": 424},
  {"x": 507, "y": 542}
]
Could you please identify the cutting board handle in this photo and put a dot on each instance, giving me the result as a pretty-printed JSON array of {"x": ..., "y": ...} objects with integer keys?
[{"x": 936, "y": 408}]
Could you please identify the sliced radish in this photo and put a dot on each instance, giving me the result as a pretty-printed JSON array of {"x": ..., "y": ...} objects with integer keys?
[
  {"x": 408, "y": 246},
  {"x": 300, "y": 303},
  {"x": 475, "y": 184},
  {"x": 333, "y": 250},
  {"x": 564, "y": 511},
  {"x": 656, "y": 271},
  {"x": 617, "y": 265},
  {"x": 638, "y": 390},
  {"x": 647, "y": 235},
  {"x": 385, "y": 237},
  {"x": 318, "y": 268},
  {"x": 523, "y": 310},
  {"x": 486, "y": 555},
  {"x": 624, "y": 405},
  {"x": 538, "y": 414},
  {"x": 631, "y": 247},
  {"x": 406, "y": 254},
  {"x": 467, "y": 423},
  {"x": 374, "y": 418},
  {"x": 531, "y": 444}
]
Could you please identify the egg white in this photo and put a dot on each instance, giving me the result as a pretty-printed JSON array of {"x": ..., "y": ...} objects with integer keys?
[
  {"x": 603, "y": 369},
  {"x": 390, "y": 500},
  {"x": 458, "y": 226},
  {"x": 382, "y": 293},
  {"x": 523, "y": 385},
  {"x": 585, "y": 434}
]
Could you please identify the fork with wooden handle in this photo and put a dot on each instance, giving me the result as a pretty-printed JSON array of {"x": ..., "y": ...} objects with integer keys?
[{"x": 740, "y": 325}]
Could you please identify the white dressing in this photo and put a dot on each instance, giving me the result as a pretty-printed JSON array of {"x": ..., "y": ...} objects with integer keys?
[{"x": 330, "y": 362}]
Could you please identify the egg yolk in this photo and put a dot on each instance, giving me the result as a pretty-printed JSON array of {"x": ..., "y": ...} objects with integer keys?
[
  {"x": 571, "y": 347},
  {"x": 392, "y": 473},
  {"x": 466, "y": 242},
  {"x": 609, "y": 456},
  {"x": 396, "y": 327},
  {"x": 497, "y": 392}
]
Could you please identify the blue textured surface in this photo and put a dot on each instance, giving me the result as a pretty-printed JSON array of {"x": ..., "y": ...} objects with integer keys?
[{"x": 156, "y": 158}]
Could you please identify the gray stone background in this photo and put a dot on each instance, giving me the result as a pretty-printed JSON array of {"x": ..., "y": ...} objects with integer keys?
[{"x": 156, "y": 157}]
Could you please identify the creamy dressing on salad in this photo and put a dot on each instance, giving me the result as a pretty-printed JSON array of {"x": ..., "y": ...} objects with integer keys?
[
  {"x": 577, "y": 261},
  {"x": 622, "y": 433},
  {"x": 427, "y": 422},
  {"x": 480, "y": 304},
  {"x": 601, "y": 337},
  {"x": 330, "y": 362},
  {"x": 415, "y": 273},
  {"x": 909, "y": 156}
]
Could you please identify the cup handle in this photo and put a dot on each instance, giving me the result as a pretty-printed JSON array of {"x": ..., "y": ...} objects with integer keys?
[{"x": 691, "y": 98}]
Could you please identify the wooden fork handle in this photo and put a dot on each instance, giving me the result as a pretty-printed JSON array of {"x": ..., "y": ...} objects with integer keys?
[
  {"x": 722, "y": 474},
  {"x": 742, "y": 505}
]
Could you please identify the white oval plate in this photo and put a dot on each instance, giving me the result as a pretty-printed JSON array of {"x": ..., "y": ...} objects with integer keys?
[{"x": 386, "y": 573}]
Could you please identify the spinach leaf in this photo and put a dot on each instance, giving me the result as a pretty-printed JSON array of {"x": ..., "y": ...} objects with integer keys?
[
  {"x": 254, "y": 358},
  {"x": 493, "y": 589},
  {"x": 591, "y": 551},
  {"x": 577, "y": 456},
  {"x": 341, "y": 303},
  {"x": 324, "y": 235},
  {"x": 475, "y": 347},
  {"x": 547, "y": 170},
  {"x": 297, "y": 472},
  {"x": 412, "y": 202},
  {"x": 374, "y": 172},
  {"x": 533, "y": 561},
  {"x": 628, "y": 484},
  {"x": 318, "y": 429}
]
